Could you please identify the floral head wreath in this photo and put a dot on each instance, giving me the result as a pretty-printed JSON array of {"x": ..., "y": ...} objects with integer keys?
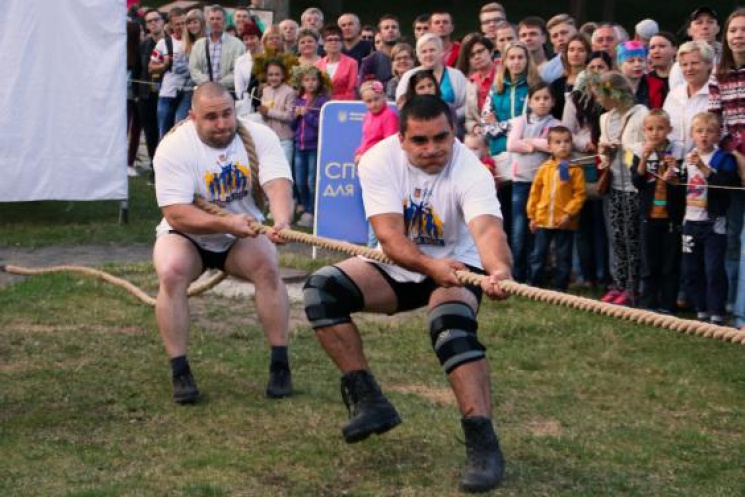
[
  {"x": 262, "y": 60},
  {"x": 300, "y": 71},
  {"x": 608, "y": 90}
]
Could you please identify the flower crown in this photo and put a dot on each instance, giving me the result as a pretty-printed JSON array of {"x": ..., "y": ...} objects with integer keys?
[{"x": 302, "y": 70}]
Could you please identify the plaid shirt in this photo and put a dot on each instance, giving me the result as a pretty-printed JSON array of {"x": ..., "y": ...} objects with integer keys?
[{"x": 215, "y": 54}]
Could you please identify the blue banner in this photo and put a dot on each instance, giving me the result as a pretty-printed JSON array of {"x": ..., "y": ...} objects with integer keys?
[{"x": 339, "y": 211}]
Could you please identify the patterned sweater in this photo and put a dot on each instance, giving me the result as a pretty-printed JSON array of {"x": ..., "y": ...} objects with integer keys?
[{"x": 727, "y": 100}]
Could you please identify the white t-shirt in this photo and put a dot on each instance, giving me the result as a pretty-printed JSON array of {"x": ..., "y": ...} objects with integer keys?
[
  {"x": 697, "y": 192},
  {"x": 436, "y": 207},
  {"x": 177, "y": 77},
  {"x": 184, "y": 167}
]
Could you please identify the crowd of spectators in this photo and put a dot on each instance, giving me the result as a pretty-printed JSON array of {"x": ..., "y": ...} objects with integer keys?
[{"x": 657, "y": 127}]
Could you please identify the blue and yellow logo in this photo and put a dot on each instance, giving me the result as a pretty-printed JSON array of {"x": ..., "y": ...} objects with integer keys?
[
  {"x": 423, "y": 225},
  {"x": 232, "y": 182}
]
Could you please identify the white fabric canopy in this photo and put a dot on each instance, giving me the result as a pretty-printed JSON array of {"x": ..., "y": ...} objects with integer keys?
[{"x": 62, "y": 100}]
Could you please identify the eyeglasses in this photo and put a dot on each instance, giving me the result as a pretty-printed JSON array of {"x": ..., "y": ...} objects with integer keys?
[{"x": 493, "y": 20}]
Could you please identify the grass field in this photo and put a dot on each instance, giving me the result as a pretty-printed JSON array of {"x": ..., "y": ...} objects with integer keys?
[{"x": 585, "y": 406}]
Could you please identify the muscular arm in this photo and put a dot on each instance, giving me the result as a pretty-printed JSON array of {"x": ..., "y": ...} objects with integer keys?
[
  {"x": 279, "y": 193},
  {"x": 492, "y": 244},
  {"x": 191, "y": 219}
]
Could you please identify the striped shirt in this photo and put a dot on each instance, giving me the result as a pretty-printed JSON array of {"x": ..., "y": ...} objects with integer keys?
[{"x": 727, "y": 100}]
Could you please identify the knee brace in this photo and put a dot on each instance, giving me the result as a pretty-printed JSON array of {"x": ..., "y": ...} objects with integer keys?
[
  {"x": 452, "y": 327},
  {"x": 330, "y": 297}
]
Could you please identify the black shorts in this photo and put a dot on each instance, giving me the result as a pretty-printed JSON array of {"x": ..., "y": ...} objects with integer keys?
[
  {"x": 210, "y": 259},
  {"x": 415, "y": 295}
]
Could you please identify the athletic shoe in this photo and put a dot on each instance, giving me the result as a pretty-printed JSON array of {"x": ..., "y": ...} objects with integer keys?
[
  {"x": 306, "y": 220},
  {"x": 132, "y": 172},
  {"x": 717, "y": 320},
  {"x": 280, "y": 384},
  {"x": 369, "y": 411},
  {"x": 185, "y": 389},
  {"x": 610, "y": 296},
  {"x": 624, "y": 298},
  {"x": 484, "y": 461}
]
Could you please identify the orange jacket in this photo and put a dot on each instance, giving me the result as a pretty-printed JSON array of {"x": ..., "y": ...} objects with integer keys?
[{"x": 550, "y": 198}]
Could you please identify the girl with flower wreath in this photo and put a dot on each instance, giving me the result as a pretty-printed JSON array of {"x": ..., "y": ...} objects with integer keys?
[
  {"x": 313, "y": 90},
  {"x": 621, "y": 130}
]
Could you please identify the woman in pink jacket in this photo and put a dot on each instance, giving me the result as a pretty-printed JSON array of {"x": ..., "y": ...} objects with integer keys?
[{"x": 342, "y": 70}]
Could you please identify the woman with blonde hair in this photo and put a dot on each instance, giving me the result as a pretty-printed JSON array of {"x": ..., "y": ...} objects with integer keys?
[
  {"x": 452, "y": 82},
  {"x": 272, "y": 40},
  {"x": 508, "y": 96},
  {"x": 194, "y": 28}
]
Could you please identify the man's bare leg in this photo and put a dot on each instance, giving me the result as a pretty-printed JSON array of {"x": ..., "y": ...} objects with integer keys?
[
  {"x": 177, "y": 264},
  {"x": 342, "y": 342},
  {"x": 256, "y": 260},
  {"x": 470, "y": 382},
  {"x": 370, "y": 411}
]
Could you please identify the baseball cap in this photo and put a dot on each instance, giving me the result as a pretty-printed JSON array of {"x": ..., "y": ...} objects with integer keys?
[{"x": 702, "y": 10}]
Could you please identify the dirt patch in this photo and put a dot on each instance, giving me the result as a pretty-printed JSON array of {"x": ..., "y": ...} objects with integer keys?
[
  {"x": 438, "y": 395},
  {"x": 544, "y": 428},
  {"x": 38, "y": 328}
]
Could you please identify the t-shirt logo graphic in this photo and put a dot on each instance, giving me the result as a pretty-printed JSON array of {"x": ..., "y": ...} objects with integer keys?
[
  {"x": 423, "y": 225},
  {"x": 232, "y": 182}
]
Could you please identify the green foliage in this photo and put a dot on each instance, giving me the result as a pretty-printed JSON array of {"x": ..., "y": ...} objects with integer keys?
[{"x": 584, "y": 405}]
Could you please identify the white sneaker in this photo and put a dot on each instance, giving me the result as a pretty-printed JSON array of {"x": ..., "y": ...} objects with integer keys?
[
  {"x": 132, "y": 172},
  {"x": 306, "y": 220}
]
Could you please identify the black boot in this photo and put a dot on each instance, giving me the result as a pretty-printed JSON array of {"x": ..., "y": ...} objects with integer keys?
[
  {"x": 484, "y": 461},
  {"x": 369, "y": 411}
]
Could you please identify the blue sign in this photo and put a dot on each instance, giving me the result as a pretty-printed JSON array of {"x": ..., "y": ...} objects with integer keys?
[{"x": 339, "y": 210}]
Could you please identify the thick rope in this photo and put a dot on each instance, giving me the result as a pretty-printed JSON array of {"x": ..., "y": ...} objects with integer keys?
[
  {"x": 513, "y": 288},
  {"x": 194, "y": 290},
  {"x": 253, "y": 161},
  {"x": 686, "y": 326}
]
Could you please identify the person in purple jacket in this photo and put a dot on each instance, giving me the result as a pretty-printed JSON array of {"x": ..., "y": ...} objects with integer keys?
[{"x": 313, "y": 91}]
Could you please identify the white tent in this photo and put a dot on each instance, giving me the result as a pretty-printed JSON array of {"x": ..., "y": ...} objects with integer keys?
[{"x": 62, "y": 100}]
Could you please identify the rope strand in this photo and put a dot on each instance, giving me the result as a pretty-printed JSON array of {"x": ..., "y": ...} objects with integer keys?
[{"x": 648, "y": 318}]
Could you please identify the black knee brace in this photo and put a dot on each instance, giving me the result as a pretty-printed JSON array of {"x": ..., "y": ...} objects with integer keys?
[
  {"x": 452, "y": 327},
  {"x": 330, "y": 297}
]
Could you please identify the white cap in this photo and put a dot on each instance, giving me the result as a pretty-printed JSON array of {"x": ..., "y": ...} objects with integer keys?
[{"x": 647, "y": 28}]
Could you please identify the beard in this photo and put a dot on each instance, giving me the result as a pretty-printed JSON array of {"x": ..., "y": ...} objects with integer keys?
[{"x": 218, "y": 140}]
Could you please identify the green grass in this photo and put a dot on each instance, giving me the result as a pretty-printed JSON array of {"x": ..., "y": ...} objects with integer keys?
[
  {"x": 36, "y": 224},
  {"x": 585, "y": 405}
]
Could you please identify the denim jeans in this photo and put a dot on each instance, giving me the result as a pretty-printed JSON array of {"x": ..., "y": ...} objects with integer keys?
[
  {"x": 706, "y": 278},
  {"x": 172, "y": 110},
  {"x": 732, "y": 258},
  {"x": 304, "y": 168},
  {"x": 563, "y": 270},
  {"x": 592, "y": 243},
  {"x": 522, "y": 238},
  {"x": 739, "y": 305}
]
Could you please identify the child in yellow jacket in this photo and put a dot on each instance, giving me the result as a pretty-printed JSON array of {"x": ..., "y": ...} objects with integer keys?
[{"x": 556, "y": 198}]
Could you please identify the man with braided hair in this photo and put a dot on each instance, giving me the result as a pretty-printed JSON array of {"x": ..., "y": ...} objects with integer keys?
[
  {"x": 234, "y": 165},
  {"x": 434, "y": 209}
]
